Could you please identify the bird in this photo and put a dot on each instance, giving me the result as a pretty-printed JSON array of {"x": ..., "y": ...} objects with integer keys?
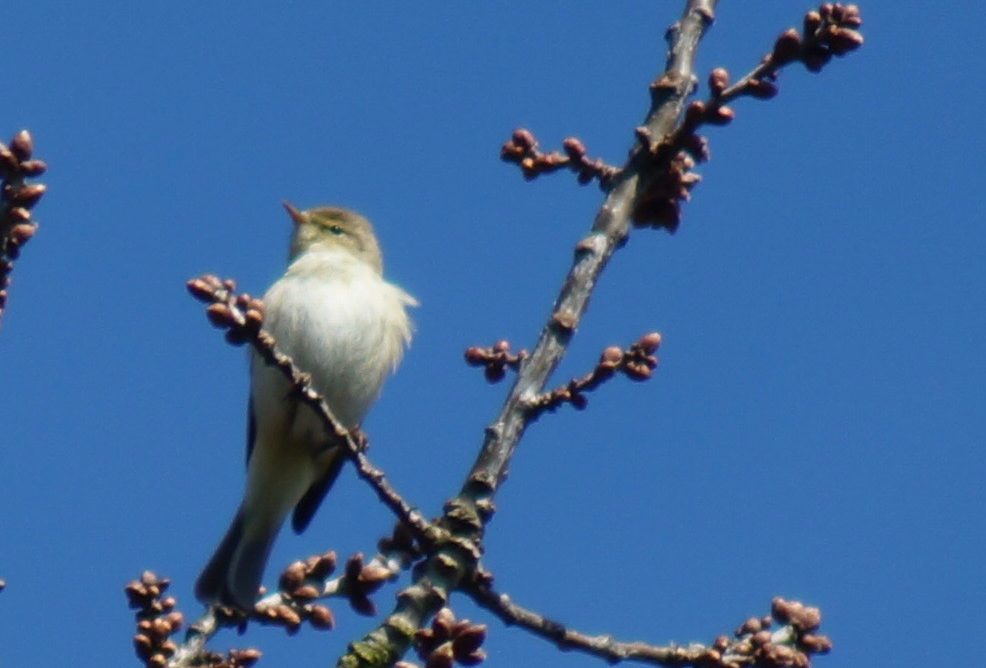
[{"x": 347, "y": 327}]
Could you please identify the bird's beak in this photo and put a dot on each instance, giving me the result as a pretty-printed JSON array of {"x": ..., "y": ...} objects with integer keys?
[{"x": 297, "y": 216}]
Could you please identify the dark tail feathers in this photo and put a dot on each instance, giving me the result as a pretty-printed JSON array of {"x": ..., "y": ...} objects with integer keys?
[{"x": 232, "y": 576}]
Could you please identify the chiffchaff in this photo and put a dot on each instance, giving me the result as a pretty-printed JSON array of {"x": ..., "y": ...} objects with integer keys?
[{"x": 340, "y": 321}]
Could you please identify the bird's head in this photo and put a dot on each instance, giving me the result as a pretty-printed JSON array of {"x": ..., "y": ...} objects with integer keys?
[{"x": 329, "y": 227}]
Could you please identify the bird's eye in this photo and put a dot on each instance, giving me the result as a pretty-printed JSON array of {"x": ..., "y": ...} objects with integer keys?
[{"x": 335, "y": 229}]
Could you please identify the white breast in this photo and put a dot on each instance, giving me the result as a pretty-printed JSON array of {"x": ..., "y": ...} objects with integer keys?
[{"x": 341, "y": 322}]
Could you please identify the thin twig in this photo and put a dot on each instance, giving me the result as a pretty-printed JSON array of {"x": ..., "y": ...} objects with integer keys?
[
  {"x": 637, "y": 363},
  {"x": 752, "y": 643}
]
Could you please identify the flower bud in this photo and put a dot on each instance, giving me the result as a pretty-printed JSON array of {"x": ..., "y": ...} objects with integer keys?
[
  {"x": 247, "y": 657},
  {"x": 523, "y": 138},
  {"x": 28, "y": 195},
  {"x": 18, "y": 214},
  {"x": 787, "y": 47},
  {"x": 694, "y": 113},
  {"x": 718, "y": 80},
  {"x": 305, "y": 592},
  {"x": 33, "y": 167},
  {"x": 816, "y": 644},
  {"x": 721, "y": 116},
  {"x": 22, "y": 145},
  {"x": 20, "y": 233},
  {"x": 321, "y": 617},
  {"x": 220, "y": 315},
  {"x": 649, "y": 342},
  {"x": 8, "y": 161},
  {"x": 441, "y": 657},
  {"x": 323, "y": 565},
  {"x": 813, "y": 21},
  {"x": 469, "y": 640},
  {"x": 844, "y": 40},
  {"x": 574, "y": 148}
]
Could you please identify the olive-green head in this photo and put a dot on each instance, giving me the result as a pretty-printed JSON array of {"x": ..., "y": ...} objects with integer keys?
[{"x": 329, "y": 227}]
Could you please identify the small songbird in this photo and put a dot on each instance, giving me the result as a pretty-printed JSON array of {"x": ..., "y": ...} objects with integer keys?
[{"x": 334, "y": 314}]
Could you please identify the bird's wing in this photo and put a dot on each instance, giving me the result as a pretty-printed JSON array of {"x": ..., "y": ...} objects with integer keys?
[
  {"x": 309, "y": 503},
  {"x": 251, "y": 430}
]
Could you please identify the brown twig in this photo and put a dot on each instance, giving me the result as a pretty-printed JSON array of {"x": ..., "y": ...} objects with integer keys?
[
  {"x": 637, "y": 363},
  {"x": 829, "y": 31},
  {"x": 495, "y": 360},
  {"x": 17, "y": 197},
  {"x": 158, "y": 618},
  {"x": 522, "y": 149},
  {"x": 753, "y": 644}
]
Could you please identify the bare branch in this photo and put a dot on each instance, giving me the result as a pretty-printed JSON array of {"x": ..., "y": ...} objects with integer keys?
[
  {"x": 753, "y": 644},
  {"x": 466, "y": 515},
  {"x": 637, "y": 363},
  {"x": 495, "y": 360},
  {"x": 522, "y": 149},
  {"x": 609, "y": 231}
]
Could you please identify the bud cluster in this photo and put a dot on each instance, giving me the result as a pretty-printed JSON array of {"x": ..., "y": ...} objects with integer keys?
[
  {"x": 659, "y": 205},
  {"x": 156, "y": 617},
  {"x": 495, "y": 360},
  {"x": 240, "y": 315},
  {"x": 361, "y": 580},
  {"x": 522, "y": 149},
  {"x": 636, "y": 363},
  {"x": 17, "y": 198},
  {"x": 158, "y": 620},
  {"x": 829, "y": 31},
  {"x": 753, "y": 642},
  {"x": 448, "y": 641},
  {"x": 302, "y": 582}
]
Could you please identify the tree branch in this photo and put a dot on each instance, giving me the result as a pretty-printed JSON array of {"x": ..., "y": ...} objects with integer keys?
[
  {"x": 466, "y": 515},
  {"x": 609, "y": 231},
  {"x": 753, "y": 644}
]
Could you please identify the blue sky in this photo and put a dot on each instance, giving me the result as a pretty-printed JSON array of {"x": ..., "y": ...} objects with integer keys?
[{"x": 815, "y": 429}]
